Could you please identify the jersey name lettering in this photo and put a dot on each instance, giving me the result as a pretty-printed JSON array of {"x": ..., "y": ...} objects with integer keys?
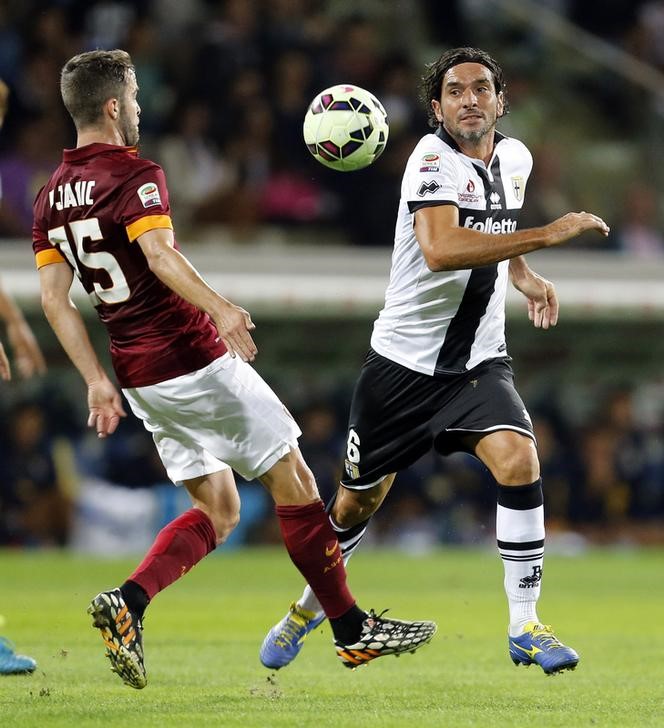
[{"x": 72, "y": 196}]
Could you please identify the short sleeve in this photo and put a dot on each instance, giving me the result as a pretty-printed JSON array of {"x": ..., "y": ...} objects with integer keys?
[
  {"x": 430, "y": 179},
  {"x": 43, "y": 247},
  {"x": 143, "y": 204}
]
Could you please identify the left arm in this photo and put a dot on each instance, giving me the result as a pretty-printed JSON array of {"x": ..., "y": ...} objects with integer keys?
[
  {"x": 540, "y": 293},
  {"x": 104, "y": 402}
]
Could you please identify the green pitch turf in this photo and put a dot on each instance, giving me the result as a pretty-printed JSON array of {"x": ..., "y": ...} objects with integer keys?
[{"x": 202, "y": 637}]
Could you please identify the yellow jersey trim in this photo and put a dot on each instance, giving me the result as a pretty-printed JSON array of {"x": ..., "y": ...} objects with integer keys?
[
  {"x": 46, "y": 257},
  {"x": 147, "y": 223}
]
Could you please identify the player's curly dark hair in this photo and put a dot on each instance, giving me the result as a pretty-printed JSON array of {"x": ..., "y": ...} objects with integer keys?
[
  {"x": 90, "y": 79},
  {"x": 431, "y": 82}
]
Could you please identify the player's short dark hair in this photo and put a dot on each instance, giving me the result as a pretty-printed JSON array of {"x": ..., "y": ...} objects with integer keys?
[
  {"x": 431, "y": 83},
  {"x": 90, "y": 79}
]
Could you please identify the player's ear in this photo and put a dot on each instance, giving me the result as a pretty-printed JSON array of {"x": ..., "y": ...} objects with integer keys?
[
  {"x": 500, "y": 104},
  {"x": 437, "y": 110},
  {"x": 112, "y": 109}
]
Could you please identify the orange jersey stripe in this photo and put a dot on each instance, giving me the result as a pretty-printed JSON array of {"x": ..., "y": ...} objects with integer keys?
[
  {"x": 46, "y": 257},
  {"x": 147, "y": 223}
]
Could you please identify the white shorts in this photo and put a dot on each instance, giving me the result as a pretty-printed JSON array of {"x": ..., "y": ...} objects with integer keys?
[{"x": 221, "y": 416}]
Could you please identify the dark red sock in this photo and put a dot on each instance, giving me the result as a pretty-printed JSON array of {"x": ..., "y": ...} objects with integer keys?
[
  {"x": 178, "y": 547},
  {"x": 314, "y": 549}
]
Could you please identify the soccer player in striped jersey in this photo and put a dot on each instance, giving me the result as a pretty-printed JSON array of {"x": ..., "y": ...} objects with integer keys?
[
  {"x": 181, "y": 355},
  {"x": 437, "y": 374}
]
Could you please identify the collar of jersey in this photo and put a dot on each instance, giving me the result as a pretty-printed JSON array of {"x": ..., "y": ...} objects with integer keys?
[
  {"x": 91, "y": 150},
  {"x": 443, "y": 134}
]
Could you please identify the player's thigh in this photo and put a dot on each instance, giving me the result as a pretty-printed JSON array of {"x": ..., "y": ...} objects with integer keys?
[
  {"x": 226, "y": 411},
  {"x": 483, "y": 401},
  {"x": 389, "y": 421},
  {"x": 510, "y": 456},
  {"x": 290, "y": 481}
]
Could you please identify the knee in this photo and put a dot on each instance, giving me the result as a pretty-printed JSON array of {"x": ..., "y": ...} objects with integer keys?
[
  {"x": 290, "y": 481},
  {"x": 518, "y": 466},
  {"x": 224, "y": 522},
  {"x": 350, "y": 509}
]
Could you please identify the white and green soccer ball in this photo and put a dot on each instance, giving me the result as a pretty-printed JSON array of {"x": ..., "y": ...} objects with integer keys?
[{"x": 345, "y": 128}]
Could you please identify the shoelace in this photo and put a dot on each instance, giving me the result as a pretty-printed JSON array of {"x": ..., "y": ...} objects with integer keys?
[
  {"x": 289, "y": 633},
  {"x": 378, "y": 621},
  {"x": 545, "y": 633}
]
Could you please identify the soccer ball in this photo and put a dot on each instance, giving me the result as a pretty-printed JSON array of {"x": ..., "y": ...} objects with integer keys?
[{"x": 345, "y": 128}]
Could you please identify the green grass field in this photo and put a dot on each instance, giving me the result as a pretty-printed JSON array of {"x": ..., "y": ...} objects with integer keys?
[{"x": 202, "y": 637}]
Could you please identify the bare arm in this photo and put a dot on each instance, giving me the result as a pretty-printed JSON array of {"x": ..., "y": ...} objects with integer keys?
[
  {"x": 540, "y": 293},
  {"x": 446, "y": 246},
  {"x": 5, "y": 369},
  {"x": 174, "y": 270},
  {"x": 27, "y": 354},
  {"x": 104, "y": 402},
  {"x": 4, "y": 100}
]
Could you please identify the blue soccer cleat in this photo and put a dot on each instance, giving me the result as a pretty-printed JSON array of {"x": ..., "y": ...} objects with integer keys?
[
  {"x": 283, "y": 642},
  {"x": 539, "y": 646},
  {"x": 11, "y": 663}
]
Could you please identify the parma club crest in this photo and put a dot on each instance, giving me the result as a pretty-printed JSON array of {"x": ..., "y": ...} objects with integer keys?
[{"x": 518, "y": 187}]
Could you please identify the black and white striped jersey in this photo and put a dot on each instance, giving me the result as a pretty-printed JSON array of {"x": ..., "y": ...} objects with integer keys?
[{"x": 450, "y": 321}]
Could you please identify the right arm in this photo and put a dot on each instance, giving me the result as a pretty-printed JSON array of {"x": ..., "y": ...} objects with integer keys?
[
  {"x": 28, "y": 355},
  {"x": 104, "y": 402},
  {"x": 447, "y": 246},
  {"x": 174, "y": 270},
  {"x": 5, "y": 369}
]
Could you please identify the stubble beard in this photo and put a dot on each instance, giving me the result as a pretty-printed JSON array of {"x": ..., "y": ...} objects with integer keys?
[
  {"x": 129, "y": 133},
  {"x": 474, "y": 136}
]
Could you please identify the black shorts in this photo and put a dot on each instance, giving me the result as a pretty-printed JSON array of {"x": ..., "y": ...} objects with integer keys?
[{"x": 397, "y": 415}]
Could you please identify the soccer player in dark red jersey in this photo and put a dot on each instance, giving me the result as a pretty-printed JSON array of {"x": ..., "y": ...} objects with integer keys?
[{"x": 181, "y": 355}]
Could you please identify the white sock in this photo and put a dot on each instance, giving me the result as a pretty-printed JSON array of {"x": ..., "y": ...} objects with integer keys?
[{"x": 520, "y": 536}]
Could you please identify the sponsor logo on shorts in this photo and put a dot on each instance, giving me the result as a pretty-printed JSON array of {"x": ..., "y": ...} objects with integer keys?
[
  {"x": 352, "y": 471},
  {"x": 149, "y": 194},
  {"x": 331, "y": 548}
]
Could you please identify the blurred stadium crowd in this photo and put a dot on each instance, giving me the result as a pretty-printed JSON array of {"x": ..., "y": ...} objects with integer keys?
[
  {"x": 224, "y": 85},
  {"x": 59, "y": 485},
  {"x": 223, "y": 89}
]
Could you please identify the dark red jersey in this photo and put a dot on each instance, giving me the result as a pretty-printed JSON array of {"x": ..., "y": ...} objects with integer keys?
[{"x": 89, "y": 214}]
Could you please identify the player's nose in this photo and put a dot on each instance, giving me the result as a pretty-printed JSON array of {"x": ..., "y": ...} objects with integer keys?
[{"x": 468, "y": 98}]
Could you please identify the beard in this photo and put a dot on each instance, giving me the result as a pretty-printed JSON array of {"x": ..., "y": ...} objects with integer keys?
[
  {"x": 129, "y": 131},
  {"x": 473, "y": 135}
]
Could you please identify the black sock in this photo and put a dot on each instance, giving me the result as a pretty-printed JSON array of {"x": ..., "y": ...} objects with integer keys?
[
  {"x": 135, "y": 598},
  {"x": 348, "y": 627}
]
